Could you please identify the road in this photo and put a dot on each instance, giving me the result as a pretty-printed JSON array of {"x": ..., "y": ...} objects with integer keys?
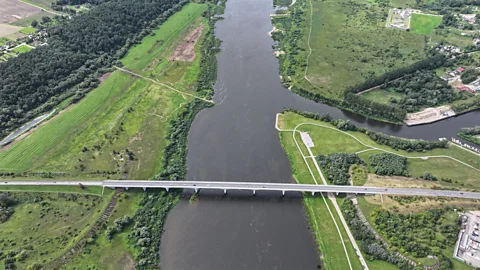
[{"x": 254, "y": 186}]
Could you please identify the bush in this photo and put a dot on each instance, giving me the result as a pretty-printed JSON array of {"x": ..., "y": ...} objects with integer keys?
[
  {"x": 336, "y": 166},
  {"x": 389, "y": 164}
]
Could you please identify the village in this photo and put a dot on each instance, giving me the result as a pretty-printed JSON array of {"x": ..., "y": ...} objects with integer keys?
[{"x": 467, "y": 249}]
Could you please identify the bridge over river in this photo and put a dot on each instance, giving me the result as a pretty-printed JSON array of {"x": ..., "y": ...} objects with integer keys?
[{"x": 253, "y": 187}]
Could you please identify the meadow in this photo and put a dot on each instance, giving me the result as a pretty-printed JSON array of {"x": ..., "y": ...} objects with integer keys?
[
  {"x": 328, "y": 140},
  {"x": 44, "y": 225},
  {"x": 424, "y": 24},
  {"x": 91, "y": 138},
  {"x": 344, "y": 50}
]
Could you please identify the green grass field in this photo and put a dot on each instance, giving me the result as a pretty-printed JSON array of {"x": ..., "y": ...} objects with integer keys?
[
  {"x": 114, "y": 254},
  {"x": 424, "y": 24},
  {"x": 344, "y": 51},
  {"x": 44, "y": 225},
  {"x": 28, "y": 30},
  {"x": 23, "y": 49},
  {"x": 90, "y": 138},
  {"x": 383, "y": 96},
  {"x": 328, "y": 141}
]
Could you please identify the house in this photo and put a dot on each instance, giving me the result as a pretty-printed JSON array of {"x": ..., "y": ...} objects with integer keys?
[
  {"x": 460, "y": 69},
  {"x": 463, "y": 88}
]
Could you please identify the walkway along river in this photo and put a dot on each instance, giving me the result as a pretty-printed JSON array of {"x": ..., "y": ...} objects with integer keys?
[{"x": 236, "y": 141}]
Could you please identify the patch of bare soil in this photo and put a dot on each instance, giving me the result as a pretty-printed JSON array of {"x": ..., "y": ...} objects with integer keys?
[
  {"x": 13, "y": 10},
  {"x": 185, "y": 52},
  {"x": 104, "y": 77},
  {"x": 32, "y": 130},
  {"x": 128, "y": 262}
]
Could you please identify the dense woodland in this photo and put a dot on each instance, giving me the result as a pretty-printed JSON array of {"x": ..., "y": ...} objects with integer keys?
[
  {"x": 38, "y": 80},
  {"x": 417, "y": 233},
  {"x": 336, "y": 166},
  {"x": 422, "y": 89},
  {"x": 389, "y": 164}
]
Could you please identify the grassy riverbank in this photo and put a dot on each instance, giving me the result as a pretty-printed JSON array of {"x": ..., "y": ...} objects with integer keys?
[
  {"x": 328, "y": 140},
  {"x": 44, "y": 225},
  {"x": 131, "y": 128}
]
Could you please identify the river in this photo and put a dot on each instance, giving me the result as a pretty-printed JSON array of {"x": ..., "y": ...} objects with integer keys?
[{"x": 236, "y": 141}]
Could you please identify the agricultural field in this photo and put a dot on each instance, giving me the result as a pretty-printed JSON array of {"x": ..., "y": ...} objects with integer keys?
[
  {"x": 424, "y": 24},
  {"x": 344, "y": 52},
  {"x": 330, "y": 140},
  {"x": 11, "y": 11},
  {"x": 119, "y": 129},
  {"x": 44, "y": 225}
]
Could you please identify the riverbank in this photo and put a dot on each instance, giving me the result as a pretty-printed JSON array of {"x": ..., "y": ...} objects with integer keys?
[{"x": 329, "y": 140}]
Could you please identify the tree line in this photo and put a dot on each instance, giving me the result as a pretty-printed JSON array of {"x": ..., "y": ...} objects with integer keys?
[
  {"x": 471, "y": 134},
  {"x": 77, "y": 53},
  {"x": 409, "y": 145}
]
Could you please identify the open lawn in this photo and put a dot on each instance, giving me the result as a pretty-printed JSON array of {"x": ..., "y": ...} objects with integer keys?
[
  {"x": 125, "y": 112},
  {"x": 46, "y": 224},
  {"x": 423, "y": 23},
  {"x": 23, "y": 49},
  {"x": 344, "y": 50},
  {"x": 28, "y": 30},
  {"x": 383, "y": 96}
]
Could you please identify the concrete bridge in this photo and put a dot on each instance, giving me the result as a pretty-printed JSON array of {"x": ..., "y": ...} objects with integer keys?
[{"x": 253, "y": 187}]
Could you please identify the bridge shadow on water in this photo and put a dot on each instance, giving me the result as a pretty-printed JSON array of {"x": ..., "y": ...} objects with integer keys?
[{"x": 262, "y": 195}]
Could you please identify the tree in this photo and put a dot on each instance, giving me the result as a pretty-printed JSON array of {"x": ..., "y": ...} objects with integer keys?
[{"x": 34, "y": 23}]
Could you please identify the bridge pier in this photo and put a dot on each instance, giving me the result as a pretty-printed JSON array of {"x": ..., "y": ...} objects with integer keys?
[
  {"x": 254, "y": 192},
  {"x": 196, "y": 190},
  {"x": 283, "y": 192},
  {"x": 381, "y": 197},
  {"x": 338, "y": 193},
  {"x": 225, "y": 191},
  {"x": 313, "y": 193},
  {"x": 126, "y": 188},
  {"x": 144, "y": 188},
  {"x": 167, "y": 189}
]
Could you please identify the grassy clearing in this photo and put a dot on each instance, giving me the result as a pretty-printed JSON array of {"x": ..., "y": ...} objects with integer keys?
[
  {"x": 440, "y": 167},
  {"x": 424, "y": 24},
  {"x": 28, "y": 30},
  {"x": 23, "y": 49},
  {"x": 344, "y": 52},
  {"x": 359, "y": 175},
  {"x": 46, "y": 224},
  {"x": 27, "y": 22},
  {"x": 110, "y": 254},
  {"x": 383, "y": 96},
  {"x": 125, "y": 112},
  {"x": 66, "y": 189}
]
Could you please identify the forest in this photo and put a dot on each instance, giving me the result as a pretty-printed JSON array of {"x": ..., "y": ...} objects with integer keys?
[
  {"x": 389, "y": 164},
  {"x": 422, "y": 89},
  {"x": 77, "y": 54},
  {"x": 336, "y": 166},
  {"x": 417, "y": 233}
]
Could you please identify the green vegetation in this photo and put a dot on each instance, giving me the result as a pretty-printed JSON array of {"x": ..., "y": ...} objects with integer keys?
[
  {"x": 388, "y": 164},
  {"x": 23, "y": 49},
  {"x": 453, "y": 173},
  {"x": 337, "y": 167},
  {"x": 344, "y": 53},
  {"x": 422, "y": 234},
  {"x": 469, "y": 75},
  {"x": 124, "y": 113},
  {"x": 358, "y": 174},
  {"x": 28, "y": 30},
  {"x": 44, "y": 225},
  {"x": 383, "y": 96},
  {"x": 423, "y": 23},
  {"x": 470, "y": 134},
  {"x": 117, "y": 253}
]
